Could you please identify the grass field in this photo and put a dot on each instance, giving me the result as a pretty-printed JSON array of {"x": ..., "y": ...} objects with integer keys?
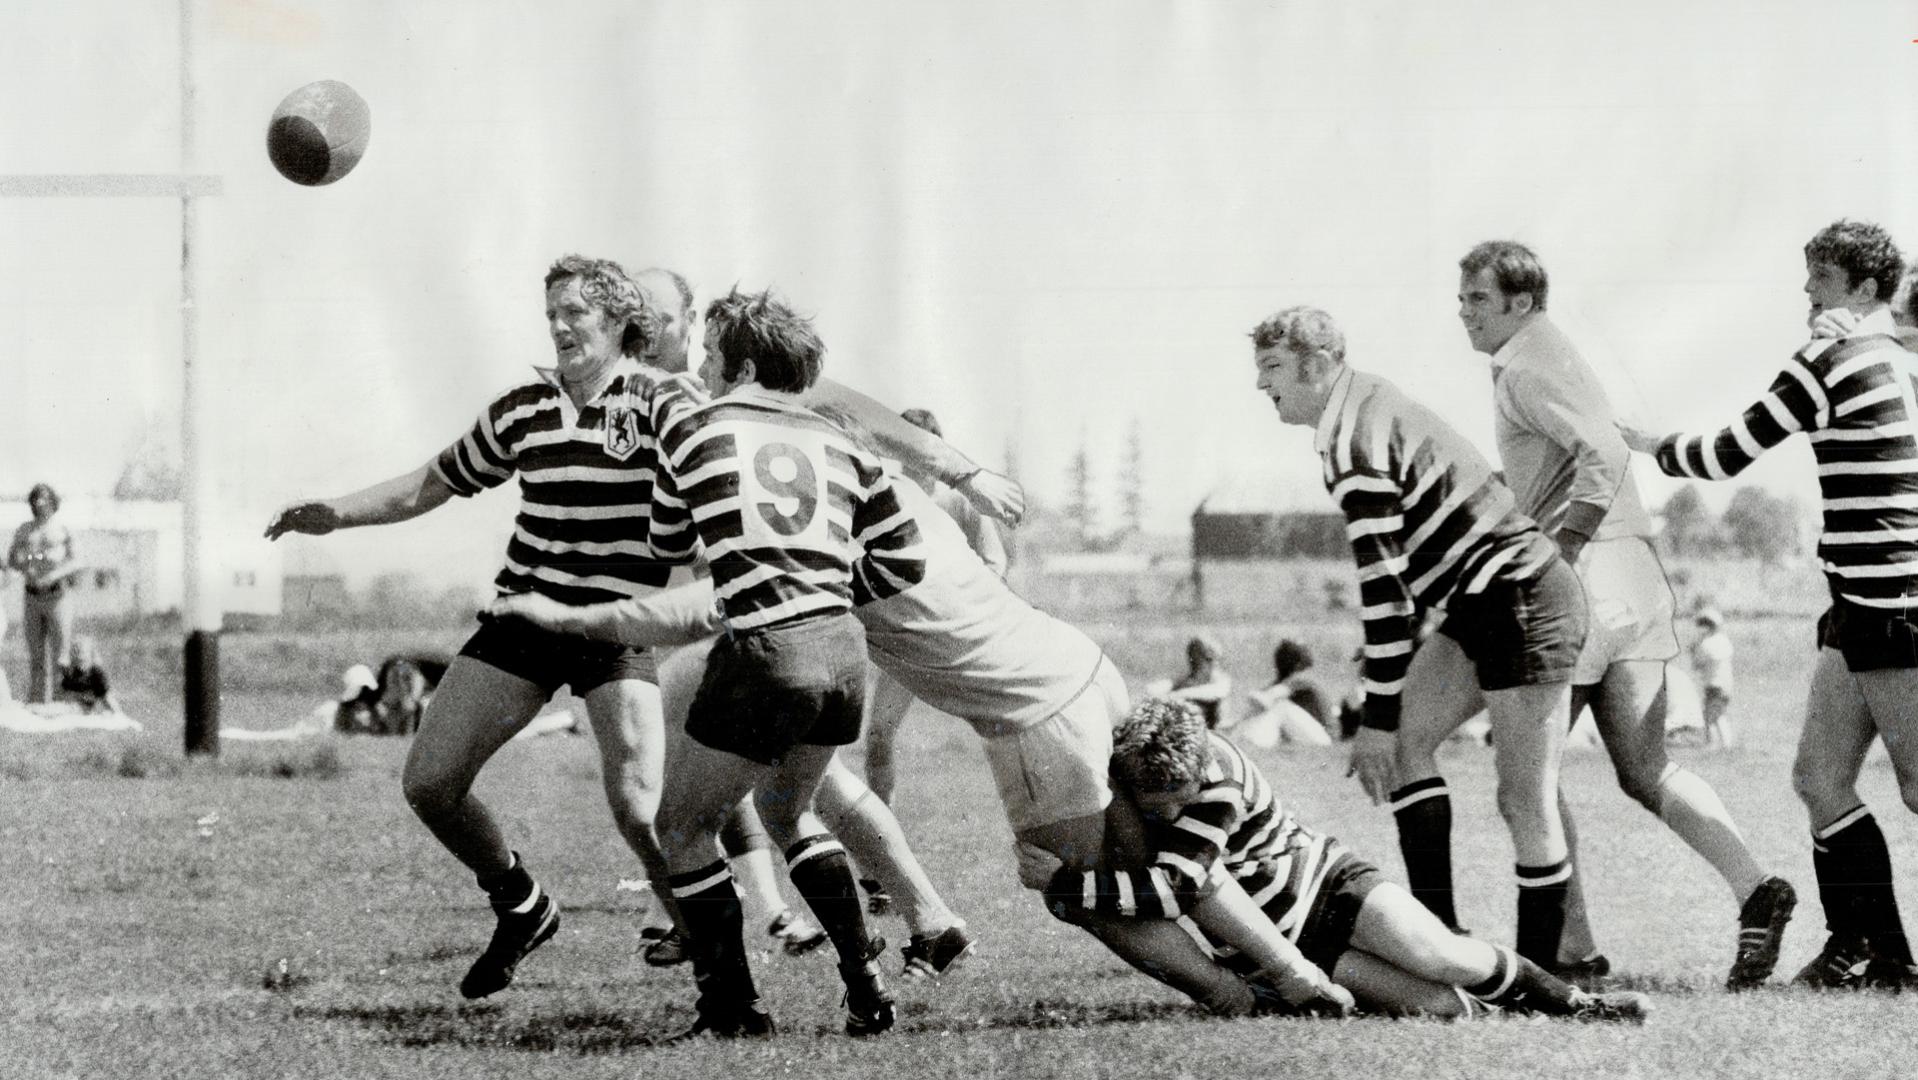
[{"x": 281, "y": 913}]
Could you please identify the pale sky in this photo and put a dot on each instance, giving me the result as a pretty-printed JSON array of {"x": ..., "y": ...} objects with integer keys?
[{"x": 1041, "y": 220}]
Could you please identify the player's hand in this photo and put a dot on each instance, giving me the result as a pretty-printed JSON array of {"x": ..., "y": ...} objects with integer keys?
[
  {"x": 1638, "y": 438},
  {"x": 1834, "y": 323},
  {"x": 995, "y": 496},
  {"x": 542, "y": 611},
  {"x": 311, "y": 518},
  {"x": 1375, "y": 762},
  {"x": 1036, "y": 865},
  {"x": 1328, "y": 1000}
]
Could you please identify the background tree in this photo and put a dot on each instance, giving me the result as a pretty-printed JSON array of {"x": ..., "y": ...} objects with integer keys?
[
  {"x": 1688, "y": 525},
  {"x": 1761, "y": 525},
  {"x": 1082, "y": 510},
  {"x": 1132, "y": 481}
]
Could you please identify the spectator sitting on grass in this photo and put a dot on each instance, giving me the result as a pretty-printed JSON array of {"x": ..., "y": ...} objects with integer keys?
[
  {"x": 1296, "y": 708},
  {"x": 83, "y": 680},
  {"x": 1205, "y": 683}
]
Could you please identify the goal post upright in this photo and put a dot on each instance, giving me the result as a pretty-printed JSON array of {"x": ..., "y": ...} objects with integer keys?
[{"x": 200, "y": 605}]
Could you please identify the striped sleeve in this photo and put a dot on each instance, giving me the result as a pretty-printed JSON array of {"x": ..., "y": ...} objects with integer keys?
[
  {"x": 672, "y": 534},
  {"x": 1186, "y": 867},
  {"x": 1388, "y": 608},
  {"x": 1795, "y": 402},
  {"x": 894, "y": 557},
  {"x": 485, "y": 457}
]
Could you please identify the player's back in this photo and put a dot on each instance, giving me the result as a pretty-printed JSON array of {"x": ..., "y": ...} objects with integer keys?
[
  {"x": 782, "y": 500},
  {"x": 962, "y": 641}
]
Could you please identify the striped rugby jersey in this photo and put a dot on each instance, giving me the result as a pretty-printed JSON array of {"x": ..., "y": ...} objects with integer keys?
[
  {"x": 783, "y": 502},
  {"x": 1855, "y": 398},
  {"x": 1235, "y": 826},
  {"x": 585, "y": 477},
  {"x": 1427, "y": 519}
]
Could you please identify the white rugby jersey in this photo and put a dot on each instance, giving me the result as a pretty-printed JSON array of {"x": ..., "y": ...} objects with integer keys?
[{"x": 963, "y": 642}]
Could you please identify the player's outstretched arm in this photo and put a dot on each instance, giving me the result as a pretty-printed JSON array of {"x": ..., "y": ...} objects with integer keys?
[
  {"x": 994, "y": 495},
  {"x": 1231, "y": 916},
  {"x": 400, "y": 499},
  {"x": 680, "y": 615}
]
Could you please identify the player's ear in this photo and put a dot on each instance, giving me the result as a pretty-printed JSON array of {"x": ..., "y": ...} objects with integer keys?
[
  {"x": 748, "y": 373},
  {"x": 1522, "y": 303}
]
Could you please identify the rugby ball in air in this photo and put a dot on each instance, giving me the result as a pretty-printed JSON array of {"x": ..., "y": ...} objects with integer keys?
[{"x": 318, "y": 133}]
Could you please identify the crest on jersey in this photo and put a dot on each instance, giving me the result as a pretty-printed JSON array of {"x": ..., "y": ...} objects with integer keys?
[{"x": 622, "y": 431}]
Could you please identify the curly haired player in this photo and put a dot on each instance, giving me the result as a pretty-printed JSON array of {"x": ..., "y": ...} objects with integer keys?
[{"x": 1211, "y": 815}]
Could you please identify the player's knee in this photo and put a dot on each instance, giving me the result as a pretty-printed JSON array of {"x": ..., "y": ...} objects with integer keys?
[
  {"x": 1521, "y": 805},
  {"x": 430, "y": 792},
  {"x": 1641, "y": 785}
]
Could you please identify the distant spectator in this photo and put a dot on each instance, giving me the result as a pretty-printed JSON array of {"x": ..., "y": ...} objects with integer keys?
[
  {"x": 1205, "y": 682},
  {"x": 42, "y": 551},
  {"x": 1296, "y": 707},
  {"x": 391, "y": 701},
  {"x": 404, "y": 686},
  {"x": 1712, "y": 665},
  {"x": 83, "y": 680},
  {"x": 359, "y": 705}
]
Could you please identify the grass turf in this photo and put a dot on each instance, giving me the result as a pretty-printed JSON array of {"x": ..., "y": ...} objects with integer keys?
[{"x": 280, "y": 912}]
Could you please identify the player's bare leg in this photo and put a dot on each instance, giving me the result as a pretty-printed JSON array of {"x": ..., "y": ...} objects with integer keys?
[
  {"x": 477, "y": 709},
  {"x": 1851, "y": 848},
  {"x": 886, "y": 708},
  {"x": 872, "y": 834},
  {"x": 1528, "y": 737},
  {"x": 629, "y": 725},
  {"x": 1403, "y": 960},
  {"x": 1630, "y": 708},
  {"x": 1441, "y": 693},
  {"x": 822, "y": 875}
]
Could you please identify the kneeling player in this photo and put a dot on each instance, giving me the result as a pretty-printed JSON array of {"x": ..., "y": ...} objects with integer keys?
[{"x": 1212, "y": 817}]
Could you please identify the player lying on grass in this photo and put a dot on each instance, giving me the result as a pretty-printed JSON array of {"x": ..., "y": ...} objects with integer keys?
[
  {"x": 1041, "y": 694},
  {"x": 1212, "y": 817}
]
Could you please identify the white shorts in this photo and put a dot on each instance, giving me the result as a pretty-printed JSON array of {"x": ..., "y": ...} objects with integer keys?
[
  {"x": 1630, "y": 606},
  {"x": 1055, "y": 770}
]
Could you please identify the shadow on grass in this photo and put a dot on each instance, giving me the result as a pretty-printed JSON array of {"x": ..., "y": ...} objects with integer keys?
[
  {"x": 593, "y": 1031},
  {"x": 488, "y": 1027}
]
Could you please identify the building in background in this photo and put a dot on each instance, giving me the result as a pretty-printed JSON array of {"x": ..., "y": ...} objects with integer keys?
[{"x": 132, "y": 552}]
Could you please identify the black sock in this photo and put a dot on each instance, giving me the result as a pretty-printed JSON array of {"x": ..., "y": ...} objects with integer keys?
[
  {"x": 1424, "y": 812},
  {"x": 1854, "y": 882},
  {"x": 512, "y": 889},
  {"x": 1522, "y": 986},
  {"x": 1541, "y": 910},
  {"x": 715, "y": 926},
  {"x": 822, "y": 875}
]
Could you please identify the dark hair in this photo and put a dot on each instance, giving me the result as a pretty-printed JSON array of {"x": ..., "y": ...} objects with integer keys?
[
  {"x": 606, "y": 285},
  {"x": 1911, "y": 293},
  {"x": 44, "y": 491},
  {"x": 1862, "y": 250},
  {"x": 785, "y": 350},
  {"x": 1302, "y": 330},
  {"x": 923, "y": 420},
  {"x": 1289, "y": 658},
  {"x": 1513, "y": 266}
]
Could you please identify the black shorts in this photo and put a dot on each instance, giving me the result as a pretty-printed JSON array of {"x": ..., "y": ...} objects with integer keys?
[
  {"x": 1871, "y": 639},
  {"x": 1523, "y": 633},
  {"x": 550, "y": 661},
  {"x": 767, "y": 691},
  {"x": 1327, "y": 932}
]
